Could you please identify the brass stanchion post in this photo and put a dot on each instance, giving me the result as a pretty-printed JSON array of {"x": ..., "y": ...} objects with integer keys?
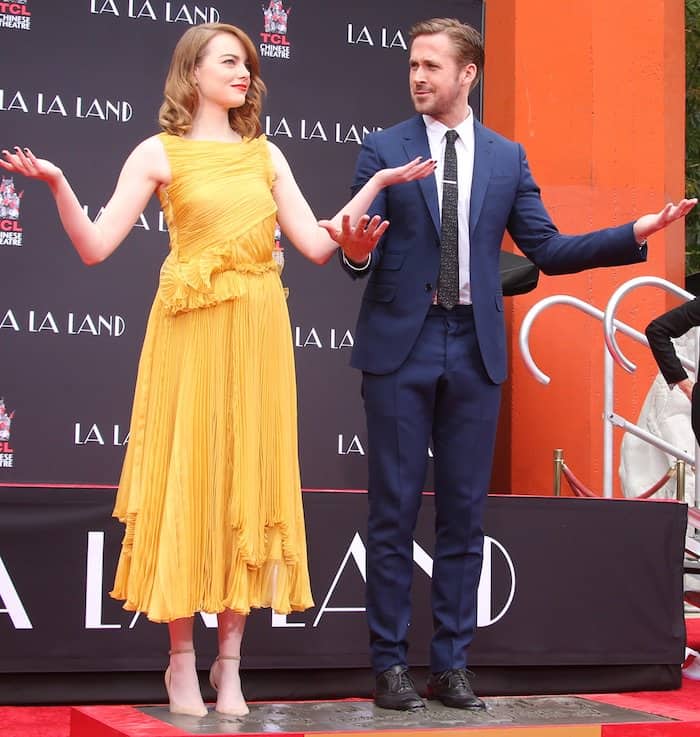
[
  {"x": 558, "y": 463},
  {"x": 680, "y": 480}
]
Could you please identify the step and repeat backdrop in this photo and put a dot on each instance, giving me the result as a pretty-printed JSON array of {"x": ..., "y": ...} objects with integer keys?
[{"x": 82, "y": 87}]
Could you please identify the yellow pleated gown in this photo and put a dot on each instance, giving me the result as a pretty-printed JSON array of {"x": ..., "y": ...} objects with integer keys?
[{"x": 210, "y": 491}]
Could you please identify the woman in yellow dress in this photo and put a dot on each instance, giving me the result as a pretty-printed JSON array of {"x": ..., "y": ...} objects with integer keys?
[{"x": 210, "y": 491}]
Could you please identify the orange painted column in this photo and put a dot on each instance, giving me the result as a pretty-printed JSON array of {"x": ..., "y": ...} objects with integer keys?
[{"x": 595, "y": 91}]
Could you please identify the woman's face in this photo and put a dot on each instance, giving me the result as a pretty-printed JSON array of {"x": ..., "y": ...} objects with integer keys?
[{"x": 222, "y": 75}]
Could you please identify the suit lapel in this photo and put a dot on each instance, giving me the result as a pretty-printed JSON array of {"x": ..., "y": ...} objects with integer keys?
[
  {"x": 481, "y": 175},
  {"x": 416, "y": 144}
]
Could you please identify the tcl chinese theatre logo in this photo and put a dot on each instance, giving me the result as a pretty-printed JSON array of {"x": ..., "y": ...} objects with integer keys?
[
  {"x": 274, "y": 38},
  {"x": 16, "y": 15},
  {"x": 6, "y": 452},
  {"x": 10, "y": 200}
]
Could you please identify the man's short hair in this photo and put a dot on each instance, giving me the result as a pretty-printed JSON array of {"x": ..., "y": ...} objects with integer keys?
[{"x": 467, "y": 41}]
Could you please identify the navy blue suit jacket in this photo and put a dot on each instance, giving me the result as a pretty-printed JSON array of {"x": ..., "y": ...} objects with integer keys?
[{"x": 403, "y": 270}]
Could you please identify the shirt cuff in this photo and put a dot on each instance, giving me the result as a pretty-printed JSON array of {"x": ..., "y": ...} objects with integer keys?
[{"x": 354, "y": 265}]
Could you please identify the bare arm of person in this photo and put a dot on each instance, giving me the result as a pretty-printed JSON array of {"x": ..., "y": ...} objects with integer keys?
[
  {"x": 314, "y": 238},
  {"x": 145, "y": 169}
]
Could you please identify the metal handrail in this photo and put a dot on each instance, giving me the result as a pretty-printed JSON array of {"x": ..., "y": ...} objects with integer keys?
[
  {"x": 542, "y": 305},
  {"x": 610, "y": 324},
  {"x": 613, "y": 353},
  {"x": 610, "y": 418},
  {"x": 611, "y": 309},
  {"x": 524, "y": 342},
  {"x": 648, "y": 437}
]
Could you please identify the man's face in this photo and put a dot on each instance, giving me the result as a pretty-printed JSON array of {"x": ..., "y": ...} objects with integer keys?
[{"x": 439, "y": 85}]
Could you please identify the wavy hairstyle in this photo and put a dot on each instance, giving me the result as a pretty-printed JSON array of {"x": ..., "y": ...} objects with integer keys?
[
  {"x": 180, "y": 98},
  {"x": 467, "y": 41}
]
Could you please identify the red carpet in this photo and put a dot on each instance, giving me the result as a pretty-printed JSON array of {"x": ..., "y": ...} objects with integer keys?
[
  {"x": 34, "y": 721},
  {"x": 684, "y": 704},
  {"x": 692, "y": 628}
]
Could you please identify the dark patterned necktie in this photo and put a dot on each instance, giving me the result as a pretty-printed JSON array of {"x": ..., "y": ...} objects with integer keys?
[{"x": 448, "y": 281}]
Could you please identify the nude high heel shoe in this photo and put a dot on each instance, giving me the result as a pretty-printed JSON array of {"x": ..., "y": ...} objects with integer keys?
[
  {"x": 178, "y": 708},
  {"x": 237, "y": 711}
]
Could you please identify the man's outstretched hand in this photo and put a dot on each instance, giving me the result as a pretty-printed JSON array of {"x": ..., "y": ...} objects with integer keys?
[{"x": 649, "y": 224}]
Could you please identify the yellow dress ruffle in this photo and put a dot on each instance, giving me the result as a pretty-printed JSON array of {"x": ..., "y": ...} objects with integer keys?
[{"x": 210, "y": 490}]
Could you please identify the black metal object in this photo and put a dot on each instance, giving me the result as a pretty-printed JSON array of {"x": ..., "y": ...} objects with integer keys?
[{"x": 518, "y": 274}]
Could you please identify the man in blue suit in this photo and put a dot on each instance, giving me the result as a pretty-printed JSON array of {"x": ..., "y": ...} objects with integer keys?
[{"x": 431, "y": 344}]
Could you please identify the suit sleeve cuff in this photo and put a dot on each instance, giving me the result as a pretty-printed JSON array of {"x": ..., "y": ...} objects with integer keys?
[{"x": 640, "y": 248}]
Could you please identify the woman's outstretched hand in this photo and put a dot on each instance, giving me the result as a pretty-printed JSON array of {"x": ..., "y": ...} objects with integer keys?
[
  {"x": 358, "y": 240},
  {"x": 23, "y": 161}
]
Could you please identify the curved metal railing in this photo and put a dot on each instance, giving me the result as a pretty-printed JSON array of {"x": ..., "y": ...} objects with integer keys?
[
  {"x": 610, "y": 325},
  {"x": 524, "y": 342},
  {"x": 560, "y": 299},
  {"x": 612, "y": 355}
]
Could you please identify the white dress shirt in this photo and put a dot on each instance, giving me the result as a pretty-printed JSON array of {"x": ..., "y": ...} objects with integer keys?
[{"x": 464, "y": 146}]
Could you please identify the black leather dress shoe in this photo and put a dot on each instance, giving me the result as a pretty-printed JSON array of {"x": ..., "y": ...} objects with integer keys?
[
  {"x": 394, "y": 689},
  {"x": 453, "y": 689}
]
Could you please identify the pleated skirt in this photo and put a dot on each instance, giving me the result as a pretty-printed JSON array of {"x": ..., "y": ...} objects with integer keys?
[{"x": 210, "y": 491}]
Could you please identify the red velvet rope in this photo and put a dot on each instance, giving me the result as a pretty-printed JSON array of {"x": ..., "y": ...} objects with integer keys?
[
  {"x": 580, "y": 489},
  {"x": 576, "y": 486},
  {"x": 649, "y": 492}
]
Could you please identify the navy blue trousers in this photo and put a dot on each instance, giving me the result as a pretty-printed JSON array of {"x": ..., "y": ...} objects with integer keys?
[{"x": 441, "y": 391}]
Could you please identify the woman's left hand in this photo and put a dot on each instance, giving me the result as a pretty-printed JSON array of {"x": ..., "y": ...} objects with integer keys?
[{"x": 357, "y": 241}]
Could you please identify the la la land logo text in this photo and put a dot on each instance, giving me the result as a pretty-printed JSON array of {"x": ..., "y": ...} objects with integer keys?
[
  {"x": 491, "y": 607},
  {"x": 43, "y": 103},
  {"x": 384, "y": 38},
  {"x": 84, "y": 435},
  {"x": 170, "y": 12},
  {"x": 72, "y": 324}
]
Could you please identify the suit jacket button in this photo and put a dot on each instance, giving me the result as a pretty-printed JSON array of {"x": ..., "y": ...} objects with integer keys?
[{"x": 428, "y": 287}]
